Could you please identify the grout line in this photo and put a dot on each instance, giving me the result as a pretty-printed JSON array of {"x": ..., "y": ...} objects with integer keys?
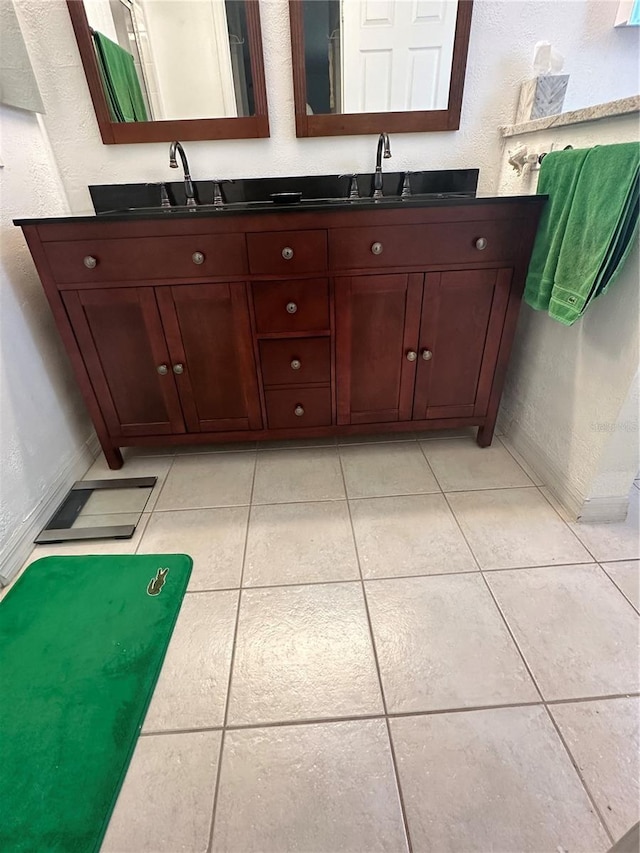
[
  {"x": 392, "y": 751},
  {"x": 391, "y": 715},
  {"x": 231, "y": 664},
  {"x": 537, "y": 686},
  {"x": 619, "y": 588}
]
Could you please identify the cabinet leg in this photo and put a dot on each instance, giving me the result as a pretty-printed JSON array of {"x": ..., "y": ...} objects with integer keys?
[
  {"x": 485, "y": 434},
  {"x": 113, "y": 456}
]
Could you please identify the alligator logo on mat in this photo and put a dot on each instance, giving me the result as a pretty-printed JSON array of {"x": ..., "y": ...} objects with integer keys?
[{"x": 156, "y": 584}]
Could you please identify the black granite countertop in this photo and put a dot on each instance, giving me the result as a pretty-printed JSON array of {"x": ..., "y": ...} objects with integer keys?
[{"x": 135, "y": 202}]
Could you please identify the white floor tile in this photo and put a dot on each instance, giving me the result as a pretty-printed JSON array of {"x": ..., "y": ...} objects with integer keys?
[
  {"x": 392, "y": 468},
  {"x": 314, "y": 789},
  {"x": 461, "y": 465},
  {"x": 146, "y": 466},
  {"x": 408, "y": 535},
  {"x": 303, "y": 653},
  {"x": 300, "y": 543},
  {"x": 192, "y": 688},
  {"x": 213, "y": 538},
  {"x": 441, "y": 643},
  {"x": 604, "y": 740},
  {"x": 166, "y": 800},
  {"x": 575, "y": 629},
  {"x": 202, "y": 480},
  {"x": 495, "y": 780},
  {"x": 626, "y": 576},
  {"x": 283, "y": 476},
  {"x": 509, "y": 528}
]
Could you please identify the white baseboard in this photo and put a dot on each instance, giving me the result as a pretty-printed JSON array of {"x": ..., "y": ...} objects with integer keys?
[
  {"x": 597, "y": 510},
  {"x": 17, "y": 549}
]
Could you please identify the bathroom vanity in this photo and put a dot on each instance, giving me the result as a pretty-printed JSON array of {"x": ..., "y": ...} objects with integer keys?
[{"x": 263, "y": 322}]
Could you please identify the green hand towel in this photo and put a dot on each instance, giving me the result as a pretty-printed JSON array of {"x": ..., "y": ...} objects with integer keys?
[
  {"x": 559, "y": 173},
  {"x": 120, "y": 81},
  {"x": 600, "y": 231}
]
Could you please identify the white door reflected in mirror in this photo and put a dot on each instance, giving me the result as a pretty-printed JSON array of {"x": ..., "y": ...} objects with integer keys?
[
  {"x": 365, "y": 56},
  {"x": 172, "y": 59}
]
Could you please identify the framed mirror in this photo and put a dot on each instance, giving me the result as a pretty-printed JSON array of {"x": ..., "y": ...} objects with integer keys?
[
  {"x": 366, "y": 66},
  {"x": 160, "y": 70}
]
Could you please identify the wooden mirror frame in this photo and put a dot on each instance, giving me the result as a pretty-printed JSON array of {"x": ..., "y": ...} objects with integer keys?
[
  {"x": 187, "y": 130},
  {"x": 345, "y": 124}
]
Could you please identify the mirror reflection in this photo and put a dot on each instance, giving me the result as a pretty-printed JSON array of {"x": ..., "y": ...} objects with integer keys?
[
  {"x": 172, "y": 59},
  {"x": 373, "y": 56}
]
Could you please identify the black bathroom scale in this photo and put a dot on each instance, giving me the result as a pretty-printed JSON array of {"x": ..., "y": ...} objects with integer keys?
[{"x": 98, "y": 509}]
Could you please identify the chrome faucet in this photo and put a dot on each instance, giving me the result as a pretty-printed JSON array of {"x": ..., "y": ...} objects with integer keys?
[
  {"x": 173, "y": 163},
  {"x": 383, "y": 144}
]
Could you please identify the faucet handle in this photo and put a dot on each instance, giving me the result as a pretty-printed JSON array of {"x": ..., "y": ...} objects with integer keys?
[
  {"x": 218, "y": 198},
  {"x": 353, "y": 184}
]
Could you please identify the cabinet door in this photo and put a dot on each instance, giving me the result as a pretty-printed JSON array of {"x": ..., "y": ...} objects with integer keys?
[
  {"x": 121, "y": 339},
  {"x": 209, "y": 336},
  {"x": 462, "y": 318},
  {"x": 377, "y": 321}
]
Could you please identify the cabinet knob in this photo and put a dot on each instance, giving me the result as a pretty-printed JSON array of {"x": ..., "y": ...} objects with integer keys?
[
  {"x": 287, "y": 253},
  {"x": 90, "y": 262},
  {"x": 291, "y": 307},
  {"x": 376, "y": 248},
  {"x": 481, "y": 243},
  {"x": 197, "y": 258},
  {"x": 427, "y": 354},
  {"x": 162, "y": 369},
  {"x": 411, "y": 355},
  {"x": 298, "y": 411},
  {"x": 178, "y": 369},
  {"x": 296, "y": 364}
]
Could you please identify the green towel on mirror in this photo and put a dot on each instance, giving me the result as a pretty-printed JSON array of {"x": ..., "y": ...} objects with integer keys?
[
  {"x": 559, "y": 173},
  {"x": 587, "y": 229},
  {"x": 120, "y": 80}
]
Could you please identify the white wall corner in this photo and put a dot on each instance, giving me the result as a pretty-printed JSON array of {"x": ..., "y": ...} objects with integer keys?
[{"x": 17, "y": 548}]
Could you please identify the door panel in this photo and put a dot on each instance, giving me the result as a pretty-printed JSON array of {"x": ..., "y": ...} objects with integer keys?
[
  {"x": 120, "y": 335},
  {"x": 377, "y": 321},
  {"x": 209, "y": 334},
  {"x": 462, "y": 315}
]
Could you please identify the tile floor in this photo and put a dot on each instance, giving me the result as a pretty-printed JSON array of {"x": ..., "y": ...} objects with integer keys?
[{"x": 386, "y": 645}]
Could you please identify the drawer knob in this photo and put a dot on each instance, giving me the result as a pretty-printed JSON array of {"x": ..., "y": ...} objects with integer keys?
[
  {"x": 90, "y": 262},
  {"x": 197, "y": 258},
  {"x": 427, "y": 354},
  {"x": 162, "y": 369},
  {"x": 376, "y": 248},
  {"x": 411, "y": 355},
  {"x": 296, "y": 364},
  {"x": 298, "y": 411},
  {"x": 481, "y": 243},
  {"x": 291, "y": 307},
  {"x": 178, "y": 369},
  {"x": 287, "y": 253}
]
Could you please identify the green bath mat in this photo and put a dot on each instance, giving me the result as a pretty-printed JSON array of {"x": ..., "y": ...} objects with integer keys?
[{"x": 82, "y": 640}]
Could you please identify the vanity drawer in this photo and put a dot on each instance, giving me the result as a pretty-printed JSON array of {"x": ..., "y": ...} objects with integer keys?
[
  {"x": 291, "y": 306},
  {"x": 156, "y": 258},
  {"x": 295, "y": 361},
  {"x": 287, "y": 252},
  {"x": 299, "y": 407},
  {"x": 422, "y": 245}
]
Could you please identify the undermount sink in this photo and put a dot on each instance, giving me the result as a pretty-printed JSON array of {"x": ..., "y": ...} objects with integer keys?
[{"x": 317, "y": 191}]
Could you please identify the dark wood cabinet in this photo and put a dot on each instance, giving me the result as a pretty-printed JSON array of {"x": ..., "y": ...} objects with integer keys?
[
  {"x": 120, "y": 334},
  {"x": 288, "y": 323}
]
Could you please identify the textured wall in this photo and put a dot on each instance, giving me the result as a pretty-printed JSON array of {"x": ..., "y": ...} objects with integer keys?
[
  {"x": 568, "y": 404},
  {"x": 43, "y": 424},
  {"x": 602, "y": 62}
]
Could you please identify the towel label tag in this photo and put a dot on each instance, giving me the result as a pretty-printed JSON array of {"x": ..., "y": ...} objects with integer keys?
[{"x": 155, "y": 584}]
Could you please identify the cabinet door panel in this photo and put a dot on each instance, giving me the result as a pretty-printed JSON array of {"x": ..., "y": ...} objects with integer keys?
[
  {"x": 209, "y": 334},
  {"x": 377, "y": 319},
  {"x": 462, "y": 317},
  {"x": 120, "y": 335}
]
